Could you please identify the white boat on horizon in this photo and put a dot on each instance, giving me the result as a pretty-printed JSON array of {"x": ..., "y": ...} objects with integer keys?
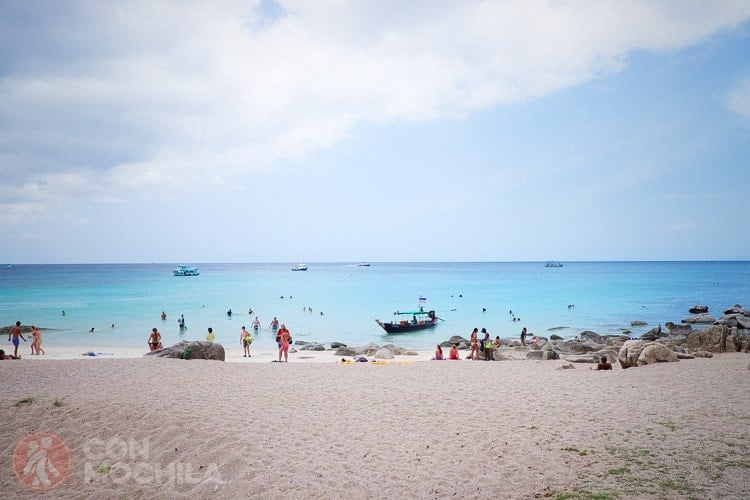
[
  {"x": 300, "y": 267},
  {"x": 185, "y": 270}
]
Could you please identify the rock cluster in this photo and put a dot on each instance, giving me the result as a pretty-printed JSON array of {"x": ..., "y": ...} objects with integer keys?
[
  {"x": 193, "y": 349},
  {"x": 730, "y": 333}
]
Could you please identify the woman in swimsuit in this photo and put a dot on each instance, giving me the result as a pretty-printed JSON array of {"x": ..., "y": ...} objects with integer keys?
[
  {"x": 285, "y": 338},
  {"x": 474, "y": 344},
  {"x": 154, "y": 341}
]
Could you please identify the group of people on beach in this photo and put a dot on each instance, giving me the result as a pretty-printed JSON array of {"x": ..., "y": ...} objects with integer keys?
[
  {"x": 15, "y": 335},
  {"x": 283, "y": 335}
]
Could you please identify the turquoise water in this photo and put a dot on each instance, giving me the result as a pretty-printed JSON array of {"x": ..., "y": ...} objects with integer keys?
[{"x": 607, "y": 296}]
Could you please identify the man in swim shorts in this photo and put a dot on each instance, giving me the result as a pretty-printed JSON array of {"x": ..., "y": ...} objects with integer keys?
[{"x": 13, "y": 335}]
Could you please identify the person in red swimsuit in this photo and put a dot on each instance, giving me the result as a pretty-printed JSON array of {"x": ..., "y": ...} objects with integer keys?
[{"x": 285, "y": 338}]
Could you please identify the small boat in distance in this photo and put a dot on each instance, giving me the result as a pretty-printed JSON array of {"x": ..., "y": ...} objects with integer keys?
[
  {"x": 300, "y": 267},
  {"x": 553, "y": 263},
  {"x": 184, "y": 270},
  {"x": 420, "y": 320},
  {"x": 364, "y": 264}
]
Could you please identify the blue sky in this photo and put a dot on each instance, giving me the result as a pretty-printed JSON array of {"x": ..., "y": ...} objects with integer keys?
[{"x": 242, "y": 131}]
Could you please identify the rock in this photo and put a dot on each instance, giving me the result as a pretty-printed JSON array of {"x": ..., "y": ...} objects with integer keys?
[
  {"x": 656, "y": 353},
  {"x": 456, "y": 339},
  {"x": 629, "y": 352},
  {"x": 555, "y": 337},
  {"x": 698, "y": 310},
  {"x": 566, "y": 366},
  {"x": 193, "y": 349},
  {"x": 683, "y": 355},
  {"x": 313, "y": 346},
  {"x": 384, "y": 353},
  {"x": 580, "y": 359},
  {"x": 638, "y": 323},
  {"x": 652, "y": 334},
  {"x": 673, "y": 329},
  {"x": 577, "y": 347},
  {"x": 703, "y": 354},
  {"x": 346, "y": 351},
  {"x": 336, "y": 345},
  {"x": 591, "y": 337},
  {"x": 703, "y": 318},
  {"x": 711, "y": 339}
]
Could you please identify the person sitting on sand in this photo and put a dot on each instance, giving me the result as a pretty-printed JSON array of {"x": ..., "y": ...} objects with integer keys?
[
  {"x": 604, "y": 364},
  {"x": 154, "y": 341},
  {"x": 497, "y": 342},
  {"x": 6, "y": 356},
  {"x": 438, "y": 354},
  {"x": 245, "y": 339},
  {"x": 453, "y": 353}
]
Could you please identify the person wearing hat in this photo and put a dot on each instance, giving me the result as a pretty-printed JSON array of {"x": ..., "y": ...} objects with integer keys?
[{"x": 485, "y": 346}]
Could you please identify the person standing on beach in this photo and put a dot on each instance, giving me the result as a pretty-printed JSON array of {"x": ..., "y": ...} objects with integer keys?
[
  {"x": 486, "y": 345},
  {"x": 36, "y": 342},
  {"x": 285, "y": 338},
  {"x": 523, "y": 336},
  {"x": 210, "y": 335},
  {"x": 154, "y": 341},
  {"x": 13, "y": 335},
  {"x": 246, "y": 339},
  {"x": 474, "y": 354}
]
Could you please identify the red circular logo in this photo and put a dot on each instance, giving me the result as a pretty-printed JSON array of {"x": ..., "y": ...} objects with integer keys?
[{"x": 41, "y": 461}]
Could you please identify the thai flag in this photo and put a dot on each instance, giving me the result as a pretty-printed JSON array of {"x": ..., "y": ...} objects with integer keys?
[{"x": 422, "y": 299}]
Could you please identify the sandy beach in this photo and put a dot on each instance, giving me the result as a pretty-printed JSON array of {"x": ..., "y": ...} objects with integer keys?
[{"x": 153, "y": 428}]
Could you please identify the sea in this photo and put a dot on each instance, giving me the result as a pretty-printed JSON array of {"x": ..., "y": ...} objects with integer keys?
[{"x": 103, "y": 306}]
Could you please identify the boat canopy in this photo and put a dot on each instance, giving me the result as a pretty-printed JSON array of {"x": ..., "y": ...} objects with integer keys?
[{"x": 413, "y": 313}]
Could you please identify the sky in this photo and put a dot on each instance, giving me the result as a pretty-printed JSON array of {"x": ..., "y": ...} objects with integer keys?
[{"x": 366, "y": 130}]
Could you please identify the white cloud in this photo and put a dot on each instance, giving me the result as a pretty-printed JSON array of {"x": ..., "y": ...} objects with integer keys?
[{"x": 120, "y": 101}]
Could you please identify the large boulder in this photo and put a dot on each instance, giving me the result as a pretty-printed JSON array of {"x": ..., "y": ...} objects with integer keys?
[
  {"x": 346, "y": 351},
  {"x": 652, "y": 334},
  {"x": 629, "y": 352},
  {"x": 702, "y": 318},
  {"x": 674, "y": 329},
  {"x": 191, "y": 349},
  {"x": 711, "y": 339},
  {"x": 589, "y": 336},
  {"x": 384, "y": 353},
  {"x": 655, "y": 353}
]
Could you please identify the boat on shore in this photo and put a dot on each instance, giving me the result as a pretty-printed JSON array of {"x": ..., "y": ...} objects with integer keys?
[
  {"x": 553, "y": 263},
  {"x": 300, "y": 267},
  {"x": 420, "y": 320},
  {"x": 185, "y": 270}
]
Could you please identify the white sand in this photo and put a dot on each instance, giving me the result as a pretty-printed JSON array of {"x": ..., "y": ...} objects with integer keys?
[{"x": 425, "y": 429}]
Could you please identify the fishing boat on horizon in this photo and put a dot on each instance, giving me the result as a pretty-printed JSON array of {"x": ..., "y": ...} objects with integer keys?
[
  {"x": 300, "y": 267},
  {"x": 553, "y": 263}
]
